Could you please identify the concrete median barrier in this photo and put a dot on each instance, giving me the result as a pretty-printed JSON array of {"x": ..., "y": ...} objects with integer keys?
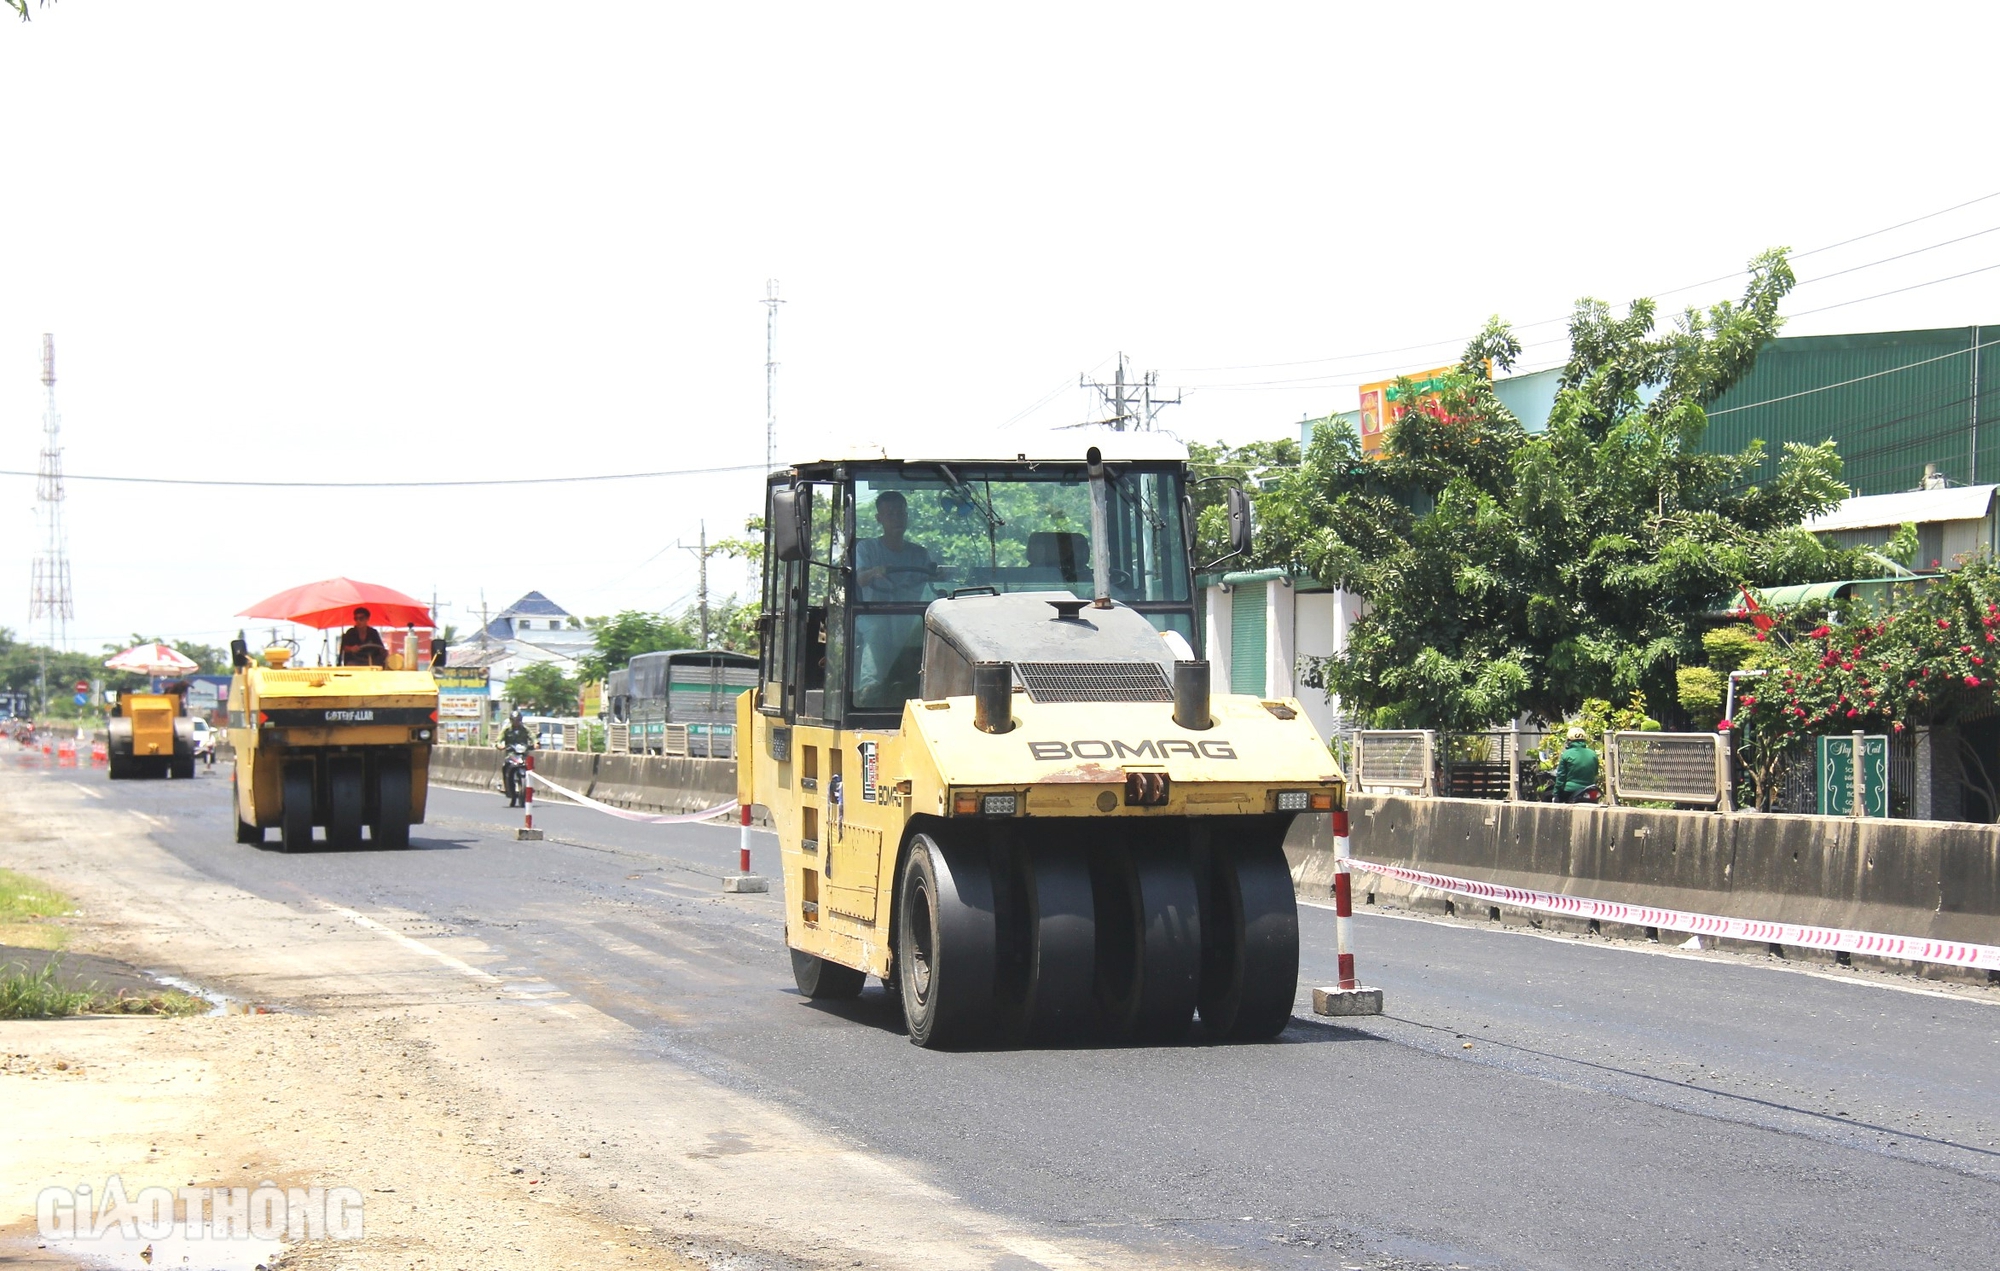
[
  {"x": 465, "y": 767},
  {"x": 640, "y": 783},
  {"x": 1937, "y": 880}
]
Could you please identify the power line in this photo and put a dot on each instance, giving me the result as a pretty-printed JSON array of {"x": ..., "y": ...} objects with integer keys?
[
  {"x": 1524, "y": 326},
  {"x": 1927, "y": 216},
  {"x": 398, "y": 485},
  {"x": 1895, "y": 292},
  {"x": 1915, "y": 251}
]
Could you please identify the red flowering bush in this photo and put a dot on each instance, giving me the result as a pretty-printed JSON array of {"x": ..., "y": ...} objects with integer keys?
[{"x": 1876, "y": 673}]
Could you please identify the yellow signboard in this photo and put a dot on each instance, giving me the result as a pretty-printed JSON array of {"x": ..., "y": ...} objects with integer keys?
[{"x": 1383, "y": 404}]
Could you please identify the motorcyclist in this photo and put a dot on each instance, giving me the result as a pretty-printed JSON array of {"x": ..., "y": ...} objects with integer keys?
[
  {"x": 517, "y": 731},
  {"x": 517, "y": 734},
  {"x": 1576, "y": 769}
]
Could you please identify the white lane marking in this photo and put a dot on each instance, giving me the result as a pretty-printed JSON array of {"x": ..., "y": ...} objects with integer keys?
[
  {"x": 86, "y": 790},
  {"x": 417, "y": 946},
  {"x": 153, "y": 821},
  {"x": 1720, "y": 958}
]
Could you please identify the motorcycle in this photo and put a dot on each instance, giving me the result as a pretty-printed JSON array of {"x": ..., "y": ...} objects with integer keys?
[{"x": 514, "y": 773}]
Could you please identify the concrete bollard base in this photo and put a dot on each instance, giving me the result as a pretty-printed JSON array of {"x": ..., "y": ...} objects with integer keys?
[
  {"x": 1347, "y": 1001},
  {"x": 746, "y": 882},
  {"x": 527, "y": 835}
]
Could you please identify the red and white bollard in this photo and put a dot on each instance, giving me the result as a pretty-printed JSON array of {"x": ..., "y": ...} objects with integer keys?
[
  {"x": 743, "y": 879},
  {"x": 1348, "y": 997},
  {"x": 528, "y": 831}
]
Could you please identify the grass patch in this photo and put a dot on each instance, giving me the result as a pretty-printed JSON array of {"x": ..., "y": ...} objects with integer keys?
[
  {"x": 28, "y": 910},
  {"x": 172, "y": 1003},
  {"x": 26, "y": 994},
  {"x": 22, "y": 897}
]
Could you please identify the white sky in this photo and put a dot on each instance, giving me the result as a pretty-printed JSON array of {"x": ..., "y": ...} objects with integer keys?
[{"x": 430, "y": 240}]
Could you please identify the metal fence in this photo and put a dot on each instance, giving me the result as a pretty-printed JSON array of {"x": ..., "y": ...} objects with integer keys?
[
  {"x": 1507, "y": 764},
  {"x": 1685, "y": 769},
  {"x": 1668, "y": 768}
]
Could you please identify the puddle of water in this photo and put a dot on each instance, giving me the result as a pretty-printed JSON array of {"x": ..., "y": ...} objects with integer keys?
[
  {"x": 181, "y": 1249},
  {"x": 222, "y": 1004}
]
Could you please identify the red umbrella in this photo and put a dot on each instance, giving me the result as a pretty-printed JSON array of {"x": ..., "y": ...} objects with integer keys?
[{"x": 332, "y": 603}]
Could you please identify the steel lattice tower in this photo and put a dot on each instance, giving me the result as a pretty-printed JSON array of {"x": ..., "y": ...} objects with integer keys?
[
  {"x": 50, "y": 595},
  {"x": 771, "y": 303}
]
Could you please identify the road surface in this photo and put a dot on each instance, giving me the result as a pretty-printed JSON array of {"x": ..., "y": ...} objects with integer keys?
[{"x": 1525, "y": 1102}]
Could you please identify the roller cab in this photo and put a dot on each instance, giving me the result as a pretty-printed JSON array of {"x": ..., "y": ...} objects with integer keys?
[
  {"x": 346, "y": 749},
  {"x": 999, "y": 776}
]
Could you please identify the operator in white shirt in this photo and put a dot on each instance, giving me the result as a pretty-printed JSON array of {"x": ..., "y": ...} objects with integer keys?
[{"x": 890, "y": 568}]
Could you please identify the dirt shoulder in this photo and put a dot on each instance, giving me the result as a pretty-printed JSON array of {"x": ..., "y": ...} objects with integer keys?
[
  {"x": 485, "y": 1121},
  {"x": 311, "y": 1093}
]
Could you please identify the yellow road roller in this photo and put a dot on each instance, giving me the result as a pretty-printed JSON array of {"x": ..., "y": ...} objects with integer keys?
[
  {"x": 999, "y": 774},
  {"x": 150, "y": 736},
  {"x": 346, "y": 748}
]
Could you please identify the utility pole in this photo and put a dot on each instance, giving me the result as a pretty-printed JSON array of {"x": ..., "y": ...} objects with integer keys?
[
  {"x": 702, "y": 553},
  {"x": 50, "y": 595},
  {"x": 1128, "y": 404},
  {"x": 771, "y": 303}
]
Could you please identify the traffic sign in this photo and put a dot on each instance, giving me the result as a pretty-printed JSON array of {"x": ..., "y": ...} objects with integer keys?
[
  {"x": 83, "y": 686},
  {"x": 83, "y": 699}
]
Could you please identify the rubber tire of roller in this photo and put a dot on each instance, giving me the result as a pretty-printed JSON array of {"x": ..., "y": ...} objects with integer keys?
[
  {"x": 391, "y": 827},
  {"x": 824, "y": 981},
  {"x": 1058, "y": 934},
  {"x": 1154, "y": 910},
  {"x": 295, "y": 828},
  {"x": 1250, "y": 933},
  {"x": 346, "y": 800},
  {"x": 944, "y": 943},
  {"x": 182, "y": 769}
]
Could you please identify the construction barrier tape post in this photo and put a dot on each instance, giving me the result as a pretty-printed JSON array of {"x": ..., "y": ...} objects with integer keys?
[
  {"x": 1343, "y": 900},
  {"x": 1871, "y": 943},
  {"x": 623, "y": 814}
]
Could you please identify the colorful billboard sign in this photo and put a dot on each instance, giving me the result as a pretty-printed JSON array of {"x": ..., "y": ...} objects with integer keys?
[
  {"x": 462, "y": 695},
  {"x": 1383, "y": 404}
]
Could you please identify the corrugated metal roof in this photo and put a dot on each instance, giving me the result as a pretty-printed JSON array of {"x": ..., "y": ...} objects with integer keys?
[
  {"x": 1919, "y": 507},
  {"x": 1892, "y": 401}
]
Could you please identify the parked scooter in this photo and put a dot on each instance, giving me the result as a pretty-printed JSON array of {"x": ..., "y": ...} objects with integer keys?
[{"x": 514, "y": 773}]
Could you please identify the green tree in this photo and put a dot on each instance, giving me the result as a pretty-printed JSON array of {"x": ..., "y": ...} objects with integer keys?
[
  {"x": 1507, "y": 572},
  {"x": 543, "y": 689},
  {"x": 631, "y": 632},
  {"x": 733, "y": 624}
]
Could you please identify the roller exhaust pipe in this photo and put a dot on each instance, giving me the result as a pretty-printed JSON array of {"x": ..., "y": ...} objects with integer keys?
[
  {"x": 1100, "y": 529},
  {"x": 993, "y": 696},
  {"x": 1191, "y": 695}
]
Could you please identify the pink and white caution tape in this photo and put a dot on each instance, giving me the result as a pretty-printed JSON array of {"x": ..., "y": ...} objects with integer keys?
[
  {"x": 623, "y": 814},
  {"x": 1913, "y": 948}
]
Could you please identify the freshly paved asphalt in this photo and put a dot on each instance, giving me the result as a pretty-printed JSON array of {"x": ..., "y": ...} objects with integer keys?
[{"x": 1525, "y": 1102}]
